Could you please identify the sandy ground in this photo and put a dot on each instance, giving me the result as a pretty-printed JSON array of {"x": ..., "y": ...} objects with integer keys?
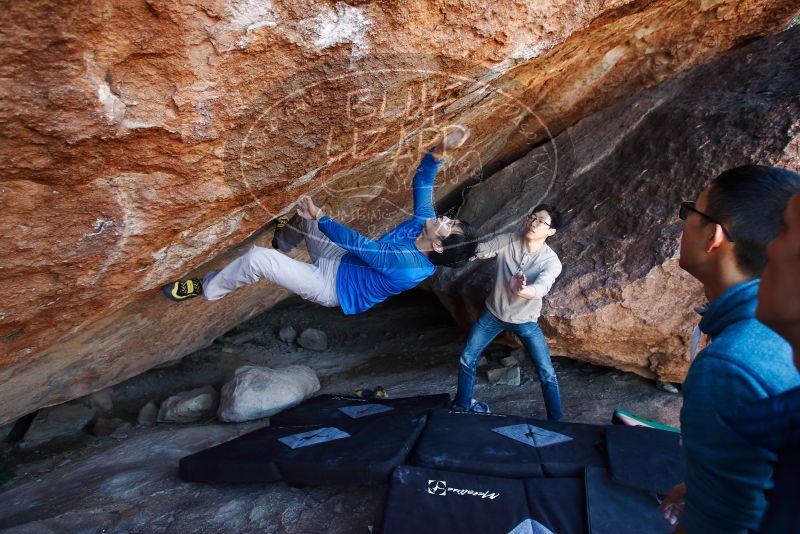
[{"x": 409, "y": 345}]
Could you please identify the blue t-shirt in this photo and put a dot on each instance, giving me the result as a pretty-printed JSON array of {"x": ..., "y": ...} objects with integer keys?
[{"x": 372, "y": 271}]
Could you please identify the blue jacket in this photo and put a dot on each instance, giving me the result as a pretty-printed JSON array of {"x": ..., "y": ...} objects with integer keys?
[
  {"x": 774, "y": 424},
  {"x": 372, "y": 271},
  {"x": 726, "y": 477}
]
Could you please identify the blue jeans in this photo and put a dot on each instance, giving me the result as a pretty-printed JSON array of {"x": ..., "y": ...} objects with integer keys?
[{"x": 485, "y": 329}]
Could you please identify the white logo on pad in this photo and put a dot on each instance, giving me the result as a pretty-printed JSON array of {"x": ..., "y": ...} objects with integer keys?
[{"x": 439, "y": 487}]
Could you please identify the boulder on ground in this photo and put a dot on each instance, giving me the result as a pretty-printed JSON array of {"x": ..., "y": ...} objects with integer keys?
[
  {"x": 189, "y": 406},
  {"x": 509, "y": 361},
  {"x": 57, "y": 422},
  {"x": 313, "y": 339},
  {"x": 287, "y": 334},
  {"x": 256, "y": 392},
  {"x": 506, "y": 376},
  {"x": 148, "y": 415},
  {"x": 122, "y": 431}
]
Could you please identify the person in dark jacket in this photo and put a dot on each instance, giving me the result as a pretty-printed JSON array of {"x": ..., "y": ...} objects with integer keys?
[
  {"x": 774, "y": 423},
  {"x": 725, "y": 236}
]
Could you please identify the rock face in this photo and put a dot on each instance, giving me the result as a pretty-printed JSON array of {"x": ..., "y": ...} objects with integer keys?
[
  {"x": 142, "y": 141},
  {"x": 622, "y": 300},
  {"x": 256, "y": 392},
  {"x": 189, "y": 406}
]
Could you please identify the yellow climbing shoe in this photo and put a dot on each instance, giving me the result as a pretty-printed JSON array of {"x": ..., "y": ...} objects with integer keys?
[{"x": 183, "y": 289}]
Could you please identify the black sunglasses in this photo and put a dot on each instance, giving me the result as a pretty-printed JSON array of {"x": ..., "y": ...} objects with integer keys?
[
  {"x": 688, "y": 207},
  {"x": 532, "y": 216}
]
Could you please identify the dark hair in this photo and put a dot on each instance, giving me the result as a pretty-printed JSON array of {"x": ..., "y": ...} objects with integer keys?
[
  {"x": 555, "y": 216},
  {"x": 750, "y": 201},
  {"x": 458, "y": 247}
]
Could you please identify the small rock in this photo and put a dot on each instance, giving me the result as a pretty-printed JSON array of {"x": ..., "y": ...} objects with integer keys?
[
  {"x": 228, "y": 350},
  {"x": 313, "y": 339},
  {"x": 256, "y": 392},
  {"x": 45, "y": 466},
  {"x": 105, "y": 426},
  {"x": 483, "y": 362},
  {"x": 507, "y": 376},
  {"x": 519, "y": 354},
  {"x": 244, "y": 337},
  {"x": 509, "y": 361},
  {"x": 338, "y": 508},
  {"x": 122, "y": 431},
  {"x": 148, "y": 415},
  {"x": 666, "y": 386},
  {"x": 189, "y": 406},
  {"x": 102, "y": 400},
  {"x": 57, "y": 422},
  {"x": 287, "y": 334}
]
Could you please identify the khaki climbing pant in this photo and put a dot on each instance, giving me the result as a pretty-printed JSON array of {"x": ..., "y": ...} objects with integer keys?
[{"x": 314, "y": 281}]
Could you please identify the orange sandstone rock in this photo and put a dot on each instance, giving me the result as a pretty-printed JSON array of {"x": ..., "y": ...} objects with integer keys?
[{"x": 143, "y": 140}]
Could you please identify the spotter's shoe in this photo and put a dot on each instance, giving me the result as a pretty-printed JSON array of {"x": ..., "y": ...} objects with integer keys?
[{"x": 183, "y": 289}]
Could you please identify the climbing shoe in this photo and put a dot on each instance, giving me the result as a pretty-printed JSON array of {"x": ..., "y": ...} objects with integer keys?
[
  {"x": 183, "y": 289},
  {"x": 288, "y": 233},
  {"x": 479, "y": 407},
  {"x": 377, "y": 393},
  {"x": 474, "y": 407}
]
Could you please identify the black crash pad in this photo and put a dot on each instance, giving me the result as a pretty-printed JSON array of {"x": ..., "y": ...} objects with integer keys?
[
  {"x": 508, "y": 446},
  {"x": 558, "y": 503},
  {"x": 361, "y": 451},
  {"x": 333, "y": 408},
  {"x": 645, "y": 458},
  {"x": 617, "y": 509}
]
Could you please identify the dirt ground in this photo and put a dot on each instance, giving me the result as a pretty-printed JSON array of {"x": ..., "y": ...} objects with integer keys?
[{"x": 409, "y": 345}]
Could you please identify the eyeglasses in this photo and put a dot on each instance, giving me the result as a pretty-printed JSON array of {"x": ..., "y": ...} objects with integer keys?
[
  {"x": 533, "y": 217},
  {"x": 689, "y": 207}
]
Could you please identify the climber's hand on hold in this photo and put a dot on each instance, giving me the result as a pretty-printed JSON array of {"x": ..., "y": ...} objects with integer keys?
[{"x": 308, "y": 210}]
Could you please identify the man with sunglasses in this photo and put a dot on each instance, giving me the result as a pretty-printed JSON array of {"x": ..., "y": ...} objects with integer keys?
[
  {"x": 526, "y": 269},
  {"x": 725, "y": 236}
]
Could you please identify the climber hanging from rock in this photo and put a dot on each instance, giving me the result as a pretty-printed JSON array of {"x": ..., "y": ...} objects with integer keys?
[{"x": 347, "y": 269}]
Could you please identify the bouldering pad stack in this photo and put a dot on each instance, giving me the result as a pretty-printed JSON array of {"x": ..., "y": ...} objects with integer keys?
[{"x": 459, "y": 472}]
